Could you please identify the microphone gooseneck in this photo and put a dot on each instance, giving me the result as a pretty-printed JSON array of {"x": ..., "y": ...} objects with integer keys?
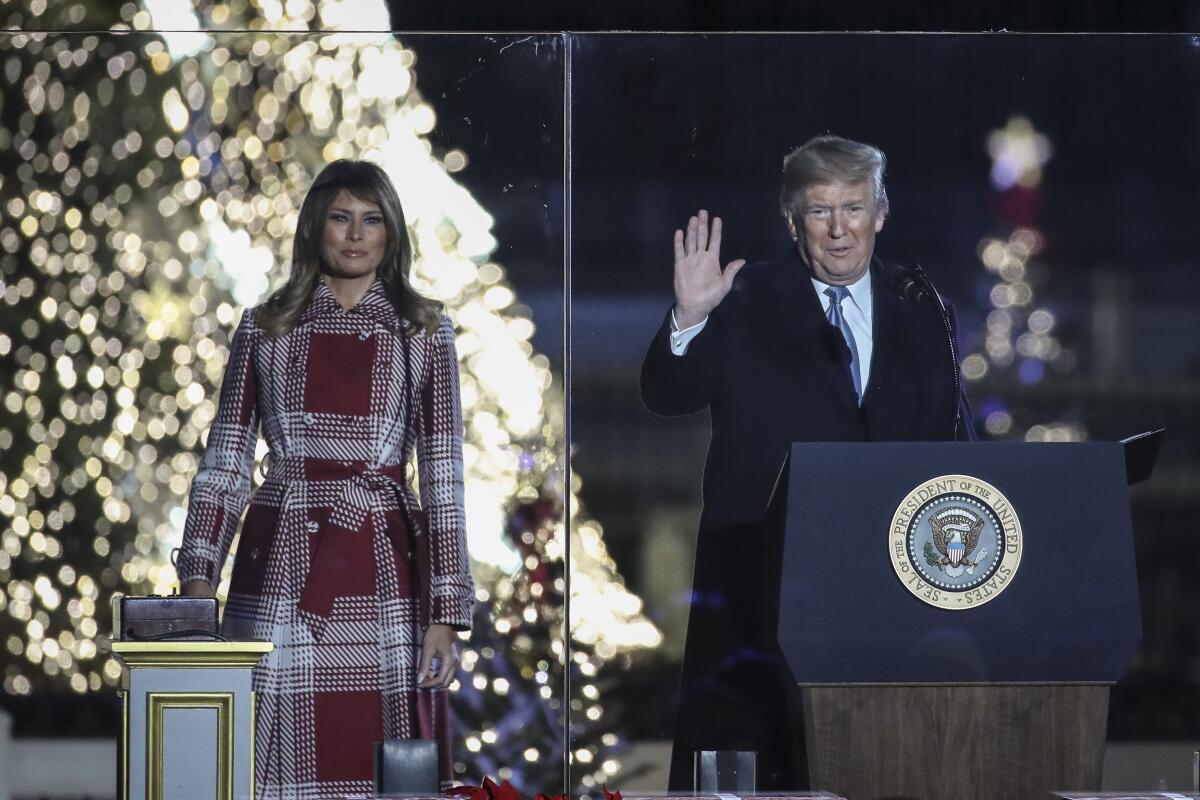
[{"x": 927, "y": 291}]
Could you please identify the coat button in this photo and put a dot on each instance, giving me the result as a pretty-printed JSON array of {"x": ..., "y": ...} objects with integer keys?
[{"x": 309, "y": 419}]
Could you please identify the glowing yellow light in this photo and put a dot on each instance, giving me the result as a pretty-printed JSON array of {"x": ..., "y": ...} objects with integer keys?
[{"x": 174, "y": 110}]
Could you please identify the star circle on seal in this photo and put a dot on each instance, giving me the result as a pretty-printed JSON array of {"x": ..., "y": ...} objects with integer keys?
[{"x": 955, "y": 542}]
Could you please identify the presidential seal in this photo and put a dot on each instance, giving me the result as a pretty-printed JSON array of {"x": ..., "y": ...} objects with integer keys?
[{"x": 955, "y": 542}]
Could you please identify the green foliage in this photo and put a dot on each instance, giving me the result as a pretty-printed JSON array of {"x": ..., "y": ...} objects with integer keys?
[{"x": 932, "y": 557}]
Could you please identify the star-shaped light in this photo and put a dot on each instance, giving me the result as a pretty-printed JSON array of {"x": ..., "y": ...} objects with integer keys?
[{"x": 1018, "y": 153}]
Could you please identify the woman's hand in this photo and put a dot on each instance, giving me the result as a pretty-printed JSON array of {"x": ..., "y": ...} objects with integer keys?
[
  {"x": 439, "y": 660},
  {"x": 196, "y": 588}
]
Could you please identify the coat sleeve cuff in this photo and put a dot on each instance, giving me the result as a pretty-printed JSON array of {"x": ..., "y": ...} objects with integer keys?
[
  {"x": 452, "y": 611},
  {"x": 195, "y": 567}
]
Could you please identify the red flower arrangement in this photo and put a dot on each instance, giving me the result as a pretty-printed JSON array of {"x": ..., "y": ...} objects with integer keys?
[{"x": 490, "y": 790}]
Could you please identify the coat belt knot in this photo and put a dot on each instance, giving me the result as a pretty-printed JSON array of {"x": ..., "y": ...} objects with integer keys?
[{"x": 362, "y": 480}]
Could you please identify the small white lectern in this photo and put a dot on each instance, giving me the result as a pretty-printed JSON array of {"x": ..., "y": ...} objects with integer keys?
[{"x": 187, "y": 729}]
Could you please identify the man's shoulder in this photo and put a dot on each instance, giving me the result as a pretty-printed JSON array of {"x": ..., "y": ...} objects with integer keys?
[
  {"x": 759, "y": 285},
  {"x": 766, "y": 276}
]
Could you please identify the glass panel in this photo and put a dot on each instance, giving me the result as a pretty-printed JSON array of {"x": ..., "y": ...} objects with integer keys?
[
  {"x": 1043, "y": 182},
  {"x": 150, "y": 186}
]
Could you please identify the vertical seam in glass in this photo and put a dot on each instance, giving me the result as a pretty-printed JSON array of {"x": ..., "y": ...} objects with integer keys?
[{"x": 567, "y": 41}]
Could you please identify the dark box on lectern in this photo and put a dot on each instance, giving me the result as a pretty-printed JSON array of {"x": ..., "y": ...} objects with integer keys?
[{"x": 158, "y": 618}]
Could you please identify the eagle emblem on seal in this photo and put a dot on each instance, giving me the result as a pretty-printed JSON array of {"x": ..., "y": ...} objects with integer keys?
[
  {"x": 956, "y": 533},
  {"x": 955, "y": 542}
]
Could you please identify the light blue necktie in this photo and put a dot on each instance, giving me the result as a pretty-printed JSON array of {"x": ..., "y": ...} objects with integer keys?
[{"x": 834, "y": 314}]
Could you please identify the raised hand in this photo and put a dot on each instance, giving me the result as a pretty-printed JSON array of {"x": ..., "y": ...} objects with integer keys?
[{"x": 700, "y": 284}]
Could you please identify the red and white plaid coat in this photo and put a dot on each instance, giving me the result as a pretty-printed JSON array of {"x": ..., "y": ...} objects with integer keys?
[{"x": 338, "y": 563}]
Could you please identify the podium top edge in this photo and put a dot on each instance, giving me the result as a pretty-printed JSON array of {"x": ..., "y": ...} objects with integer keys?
[
  {"x": 192, "y": 647},
  {"x": 190, "y": 654}
]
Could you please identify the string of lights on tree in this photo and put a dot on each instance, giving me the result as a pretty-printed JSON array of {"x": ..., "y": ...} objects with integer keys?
[
  {"x": 1020, "y": 341},
  {"x": 149, "y": 186}
]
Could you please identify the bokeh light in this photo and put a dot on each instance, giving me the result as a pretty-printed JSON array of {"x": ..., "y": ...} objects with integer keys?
[{"x": 1019, "y": 340}]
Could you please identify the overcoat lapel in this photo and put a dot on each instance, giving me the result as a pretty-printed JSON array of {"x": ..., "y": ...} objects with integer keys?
[
  {"x": 885, "y": 308},
  {"x": 806, "y": 337},
  {"x": 892, "y": 318}
]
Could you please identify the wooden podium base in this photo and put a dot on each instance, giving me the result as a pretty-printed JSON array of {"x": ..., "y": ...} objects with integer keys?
[{"x": 955, "y": 741}]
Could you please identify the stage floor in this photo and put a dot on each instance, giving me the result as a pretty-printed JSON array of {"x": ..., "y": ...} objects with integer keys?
[{"x": 67, "y": 768}]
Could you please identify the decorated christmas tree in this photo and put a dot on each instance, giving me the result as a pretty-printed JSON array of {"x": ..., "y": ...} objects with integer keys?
[
  {"x": 150, "y": 187},
  {"x": 1020, "y": 345}
]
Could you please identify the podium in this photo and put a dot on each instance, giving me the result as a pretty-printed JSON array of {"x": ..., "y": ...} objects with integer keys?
[
  {"x": 955, "y": 613},
  {"x": 187, "y": 726}
]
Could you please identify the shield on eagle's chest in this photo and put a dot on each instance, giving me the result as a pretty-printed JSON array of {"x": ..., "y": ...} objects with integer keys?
[{"x": 955, "y": 550}]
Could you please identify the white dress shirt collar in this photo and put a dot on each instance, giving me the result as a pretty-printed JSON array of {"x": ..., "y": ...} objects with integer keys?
[{"x": 860, "y": 294}]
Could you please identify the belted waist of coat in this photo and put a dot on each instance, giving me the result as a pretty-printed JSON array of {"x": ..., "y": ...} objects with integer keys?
[
  {"x": 361, "y": 479},
  {"x": 353, "y": 504},
  {"x": 330, "y": 566}
]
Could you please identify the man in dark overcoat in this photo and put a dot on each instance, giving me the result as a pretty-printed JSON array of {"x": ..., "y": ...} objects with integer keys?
[{"x": 824, "y": 343}]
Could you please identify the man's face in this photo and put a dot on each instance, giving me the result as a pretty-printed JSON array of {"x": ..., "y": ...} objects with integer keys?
[{"x": 836, "y": 230}]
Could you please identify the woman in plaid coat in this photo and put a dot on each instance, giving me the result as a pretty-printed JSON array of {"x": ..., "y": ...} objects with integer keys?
[{"x": 359, "y": 584}]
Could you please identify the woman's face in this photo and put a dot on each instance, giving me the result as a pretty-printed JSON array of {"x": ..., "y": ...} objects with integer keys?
[{"x": 355, "y": 237}]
